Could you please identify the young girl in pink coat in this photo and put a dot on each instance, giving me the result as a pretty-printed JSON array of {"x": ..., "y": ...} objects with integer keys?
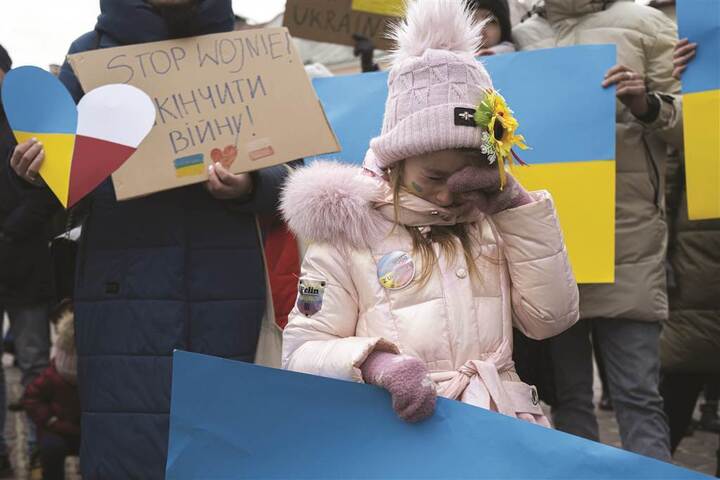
[{"x": 421, "y": 262}]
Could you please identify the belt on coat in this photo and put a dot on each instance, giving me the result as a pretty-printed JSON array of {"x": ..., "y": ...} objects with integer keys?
[{"x": 482, "y": 377}]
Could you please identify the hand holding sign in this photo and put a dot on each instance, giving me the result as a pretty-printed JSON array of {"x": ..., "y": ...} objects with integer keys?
[
  {"x": 408, "y": 381},
  {"x": 225, "y": 185},
  {"x": 683, "y": 53},
  {"x": 72, "y": 148},
  {"x": 26, "y": 160},
  {"x": 630, "y": 88}
]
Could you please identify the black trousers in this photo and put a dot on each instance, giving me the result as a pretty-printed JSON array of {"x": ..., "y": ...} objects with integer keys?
[
  {"x": 53, "y": 450},
  {"x": 680, "y": 392}
]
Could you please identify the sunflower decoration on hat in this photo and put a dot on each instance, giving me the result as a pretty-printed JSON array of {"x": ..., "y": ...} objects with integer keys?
[{"x": 499, "y": 137}]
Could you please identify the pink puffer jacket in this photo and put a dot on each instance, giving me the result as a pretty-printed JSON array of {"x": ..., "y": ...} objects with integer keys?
[{"x": 359, "y": 290}]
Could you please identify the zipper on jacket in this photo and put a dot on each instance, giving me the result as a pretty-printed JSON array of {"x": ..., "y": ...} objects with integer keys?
[
  {"x": 655, "y": 170},
  {"x": 449, "y": 315}
]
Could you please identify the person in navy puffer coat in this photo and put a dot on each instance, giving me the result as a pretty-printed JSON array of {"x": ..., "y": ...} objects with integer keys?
[{"x": 181, "y": 269}]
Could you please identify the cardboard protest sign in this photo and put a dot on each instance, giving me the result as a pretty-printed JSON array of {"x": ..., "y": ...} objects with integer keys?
[
  {"x": 699, "y": 21},
  {"x": 566, "y": 118},
  {"x": 84, "y": 144},
  {"x": 335, "y": 21},
  {"x": 231, "y": 419},
  {"x": 240, "y": 98}
]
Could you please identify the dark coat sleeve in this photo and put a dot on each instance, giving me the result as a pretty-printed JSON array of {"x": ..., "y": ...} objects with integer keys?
[
  {"x": 267, "y": 185},
  {"x": 30, "y": 217}
]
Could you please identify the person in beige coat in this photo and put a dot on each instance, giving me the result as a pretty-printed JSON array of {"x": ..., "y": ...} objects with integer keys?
[
  {"x": 420, "y": 263},
  {"x": 625, "y": 316}
]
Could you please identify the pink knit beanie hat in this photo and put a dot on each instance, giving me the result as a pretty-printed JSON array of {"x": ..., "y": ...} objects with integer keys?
[{"x": 434, "y": 85}]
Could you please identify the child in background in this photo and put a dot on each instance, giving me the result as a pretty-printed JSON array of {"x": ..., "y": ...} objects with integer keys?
[
  {"x": 421, "y": 263},
  {"x": 53, "y": 403},
  {"x": 497, "y": 32}
]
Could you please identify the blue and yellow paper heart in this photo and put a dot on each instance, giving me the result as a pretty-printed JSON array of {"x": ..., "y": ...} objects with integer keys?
[
  {"x": 699, "y": 21},
  {"x": 564, "y": 115}
]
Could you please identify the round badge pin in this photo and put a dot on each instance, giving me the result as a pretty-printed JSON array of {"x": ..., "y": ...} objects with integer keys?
[{"x": 396, "y": 270}]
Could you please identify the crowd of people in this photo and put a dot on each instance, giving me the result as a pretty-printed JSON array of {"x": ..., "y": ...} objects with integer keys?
[{"x": 429, "y": 270}]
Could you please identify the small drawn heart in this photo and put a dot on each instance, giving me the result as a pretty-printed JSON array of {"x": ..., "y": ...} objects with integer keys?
[
  {"x": 226, "y": 156},
  {"x": 83, "y": 144}
]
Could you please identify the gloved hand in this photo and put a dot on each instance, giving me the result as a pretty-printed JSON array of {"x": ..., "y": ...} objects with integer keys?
[
  {"x": 481, "y": 186},
  {"x": 407, "y": 380}
]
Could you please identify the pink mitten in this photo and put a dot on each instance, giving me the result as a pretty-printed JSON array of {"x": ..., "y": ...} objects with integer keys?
[
  {"x": 482, "y": 187},
  {"x": 407, "y": 380}
]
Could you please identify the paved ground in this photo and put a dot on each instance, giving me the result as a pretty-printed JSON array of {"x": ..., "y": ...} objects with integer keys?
[{"x": 696, "y": 452}]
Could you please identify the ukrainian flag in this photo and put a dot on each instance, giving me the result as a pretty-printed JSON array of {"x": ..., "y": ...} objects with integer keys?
[
  {"x": 566, "y": 117},
  {"x": 568, "y": 120},
  {"x": 189, "y": 166},
  {"x": 699, "y": 21}
]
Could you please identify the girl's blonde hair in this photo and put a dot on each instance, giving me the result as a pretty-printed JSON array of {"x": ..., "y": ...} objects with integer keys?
[{"x": 442, "y": 235}]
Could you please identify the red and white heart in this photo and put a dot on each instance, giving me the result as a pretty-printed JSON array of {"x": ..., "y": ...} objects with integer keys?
[
  {"x": 226, "y": 156},
  {"x": 112, "y": 121}
]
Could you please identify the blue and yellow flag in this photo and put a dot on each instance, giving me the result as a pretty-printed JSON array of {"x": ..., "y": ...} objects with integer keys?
[
  {"x": 231, "y": 419},
  {"x": 567, "y": 119},
  {"x": 699, "y": 21}
]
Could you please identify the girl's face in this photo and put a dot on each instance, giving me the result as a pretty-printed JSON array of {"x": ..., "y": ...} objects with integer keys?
[
  {"x": 491, "y": 33},
  {"x": 426, "y": 175}
]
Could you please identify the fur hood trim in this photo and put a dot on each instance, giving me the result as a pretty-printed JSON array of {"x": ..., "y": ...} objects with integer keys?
[{"x": 334, "y": 203}]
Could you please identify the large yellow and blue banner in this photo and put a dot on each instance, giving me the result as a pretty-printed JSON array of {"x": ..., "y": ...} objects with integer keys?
[
  {"x": 699, "y": 21},
  {"x": 567, "y": 118},
  {"x": 231, "y": 419}
]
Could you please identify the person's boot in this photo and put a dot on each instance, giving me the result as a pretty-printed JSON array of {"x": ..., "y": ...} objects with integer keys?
[
  {"x": 6, "y": 470},
  {"x": 35, "y": 460},
  {"x": 709, "y": 420}
]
